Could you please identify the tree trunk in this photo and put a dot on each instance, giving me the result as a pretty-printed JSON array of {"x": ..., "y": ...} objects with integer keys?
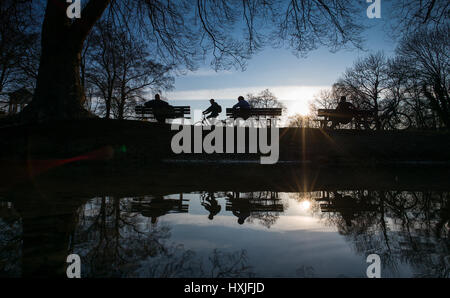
[
  {"x": 59, "y": 93},
  {"x": 439, "y": 109},
  {"x": 108, "y": 108}
]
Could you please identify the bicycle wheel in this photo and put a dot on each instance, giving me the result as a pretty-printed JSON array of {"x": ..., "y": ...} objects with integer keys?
[
  {"x": 368, "y": 124},
  {"x": 399, "y": 121}
]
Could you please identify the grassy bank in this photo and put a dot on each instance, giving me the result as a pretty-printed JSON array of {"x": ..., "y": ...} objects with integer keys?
[{"x": 138, "y": 143}]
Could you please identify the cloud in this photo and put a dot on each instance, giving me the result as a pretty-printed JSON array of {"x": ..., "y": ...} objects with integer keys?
[
  {"x": 301, "y": 93},
  {"x": 206, "y": 72}
]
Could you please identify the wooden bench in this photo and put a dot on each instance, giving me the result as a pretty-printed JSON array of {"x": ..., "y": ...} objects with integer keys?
[
  {"x": 358, "y": 117},
  {"x": 178, "y": 112},
  {"x": 258, "y": 113}
]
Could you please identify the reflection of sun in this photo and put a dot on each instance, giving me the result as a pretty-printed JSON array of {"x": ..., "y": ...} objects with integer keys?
[{"x": 305, "y": 205}]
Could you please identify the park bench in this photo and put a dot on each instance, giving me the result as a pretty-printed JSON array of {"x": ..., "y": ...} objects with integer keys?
[
  {"x": 260, "y": 113},
  {"x": 358, "y": 117},
  {"x": 178, "y": 112}
]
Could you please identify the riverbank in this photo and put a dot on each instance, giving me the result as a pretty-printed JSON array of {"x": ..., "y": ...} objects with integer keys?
[{"x": 138, "y": 143}]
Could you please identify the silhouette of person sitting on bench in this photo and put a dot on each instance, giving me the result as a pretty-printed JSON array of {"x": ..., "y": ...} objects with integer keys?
[
  {"x": 344, "y": 110},
  {"x": 241, "y": 109},
  {"x": 212, "y": 206},
  {"x": 161, "y": 109}
]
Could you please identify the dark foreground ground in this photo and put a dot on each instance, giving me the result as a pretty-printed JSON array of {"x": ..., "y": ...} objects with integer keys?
[
  {"x": 95, "y": 157},
  {"x": 138, "y": 143}
]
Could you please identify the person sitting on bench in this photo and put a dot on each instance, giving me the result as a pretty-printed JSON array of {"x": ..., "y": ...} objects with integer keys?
[
  {"x": 241, "y": 109},
  {"x": 161, "y": 109},
  {"x": 214, "y": 109},
  {"x": 344, "y": 110}
]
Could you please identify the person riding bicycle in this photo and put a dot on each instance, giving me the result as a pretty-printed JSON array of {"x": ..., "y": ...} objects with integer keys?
[
  {"x": 215, "y": 109},
  {"x": 345, "y": 111},
  {"x": 212, "y": 206},
  {"x": 241, "y": 109}
]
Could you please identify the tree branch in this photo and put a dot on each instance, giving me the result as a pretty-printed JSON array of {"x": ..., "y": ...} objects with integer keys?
[{"x": 89, "y": 16}]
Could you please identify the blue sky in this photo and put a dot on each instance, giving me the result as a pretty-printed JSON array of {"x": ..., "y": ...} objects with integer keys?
[{"x": 293, "y": 80}]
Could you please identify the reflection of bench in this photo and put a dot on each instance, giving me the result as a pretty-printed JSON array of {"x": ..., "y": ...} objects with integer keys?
[
  {"x": 159, "y": 206},
  {"x": 178, "y": 112},
  {"x": 254, "y": 204},
  {"x": 254, "y": 207},
  {"x": 258, "y": 113},
  {"x": 361, "y": 117}
]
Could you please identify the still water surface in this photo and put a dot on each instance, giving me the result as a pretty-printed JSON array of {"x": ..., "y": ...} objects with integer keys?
[{"x": 326, "y": 233}]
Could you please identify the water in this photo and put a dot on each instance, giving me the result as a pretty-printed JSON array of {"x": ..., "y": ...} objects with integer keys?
[{"x": 325, "y": 232}]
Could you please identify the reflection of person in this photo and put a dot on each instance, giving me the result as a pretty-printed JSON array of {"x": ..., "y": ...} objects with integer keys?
[
  {"x": 212, "y": 206},
  {"x": 240, "y": 207},
  {"x": 161, "y": 109},
  {"x": 344, "y": 109},
  {"x": 160, "y": 208},
  {"x": 241, "y": 109},
  {"x": 214, "y": 109},
  {"x": 241, "y": 215},
  {"x": 346, "y": 206}
]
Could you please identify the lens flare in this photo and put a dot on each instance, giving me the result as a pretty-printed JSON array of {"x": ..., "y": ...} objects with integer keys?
[{"x": 305, "y": 205}]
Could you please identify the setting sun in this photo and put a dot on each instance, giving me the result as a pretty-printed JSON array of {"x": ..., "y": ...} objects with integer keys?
[
  {"x": 305, "y": 205},
  {"x": 298, "y": 107}
]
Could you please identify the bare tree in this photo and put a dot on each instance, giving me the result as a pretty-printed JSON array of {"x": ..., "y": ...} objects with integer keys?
[
  {"x": 426, "y": 54},
  {"x": 138, "y": 75},
  {"x": 18, "y": 61},
  {"x": 366, "y": 83},
  {"x": 327, "y": 98},
  {"x": 181, "y": 33},
  {"x": 264, "y": 99},
  {"x": 299, "y": 120},
  {"x": 405, "y": 94},
  {"x": 119, "y": 71},
  {"x": 413, "y": 16},
  {"x": 100, "y": 71}
]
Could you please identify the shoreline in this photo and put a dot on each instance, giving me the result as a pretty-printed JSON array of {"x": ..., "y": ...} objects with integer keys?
[{"x": 129, "y": 142}]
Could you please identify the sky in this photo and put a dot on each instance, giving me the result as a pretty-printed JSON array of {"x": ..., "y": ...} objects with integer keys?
[{"x": 294, "y": 81}]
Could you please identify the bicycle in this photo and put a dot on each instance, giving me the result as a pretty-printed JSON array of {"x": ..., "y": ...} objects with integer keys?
[
  {"x": 209, "y": 121},
  {"x": 391, "y": 119},
  {"x": 396, "y": 121}
]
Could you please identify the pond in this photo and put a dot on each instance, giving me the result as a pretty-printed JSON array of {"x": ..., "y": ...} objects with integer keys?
[{"x": 324, "y": 232}]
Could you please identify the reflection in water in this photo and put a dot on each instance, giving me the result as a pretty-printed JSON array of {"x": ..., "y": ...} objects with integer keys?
[
  {"x": 211, "y": 204},
  {"x": 231, "y": 234},
  {"x": 401, "y": 227},
  {"x": 156, "y": 206},
  {"x": 263, "y": 206},
  {"x": 10, "y": 242}
]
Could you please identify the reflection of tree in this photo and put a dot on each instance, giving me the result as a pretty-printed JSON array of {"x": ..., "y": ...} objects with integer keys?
[
  {"x": 115, "y": 240},
  {"x": 112, "y": 238},
  {"x": 262, "y": 206},
  {"x": 406, "y": 227},
  {"x": 349, "y": 207},
  {"x": 305, "y": 272},
  {"x": 10, "y": 241},
  {"x": 229, "y": 265},
  {"x": 178, "y": 262}
]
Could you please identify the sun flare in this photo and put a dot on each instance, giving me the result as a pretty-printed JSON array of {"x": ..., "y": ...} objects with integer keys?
[
  {"x": 305, "y": 205},
  {"x": 299, "y": 107}
]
